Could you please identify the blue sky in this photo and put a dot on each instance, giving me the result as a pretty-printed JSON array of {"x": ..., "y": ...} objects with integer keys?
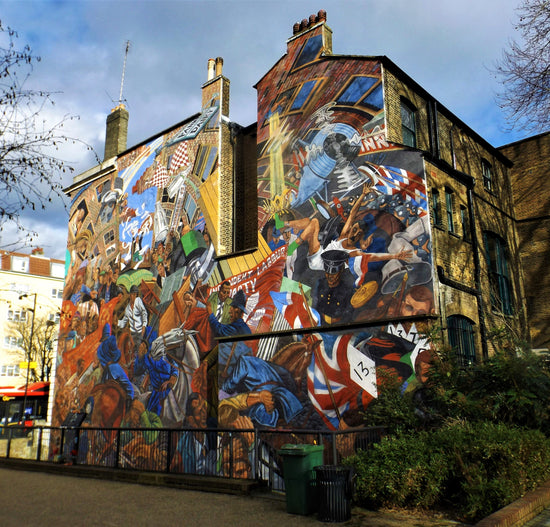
[{"x": 448, "y": 47}]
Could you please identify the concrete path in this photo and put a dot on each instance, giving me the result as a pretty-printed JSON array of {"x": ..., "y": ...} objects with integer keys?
[
  {"x": 36, "y": 498},
  {"x": 30, "y": 498}
]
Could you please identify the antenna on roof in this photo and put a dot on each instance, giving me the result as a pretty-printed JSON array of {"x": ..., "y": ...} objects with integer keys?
[{"x": 123, "y": 71}]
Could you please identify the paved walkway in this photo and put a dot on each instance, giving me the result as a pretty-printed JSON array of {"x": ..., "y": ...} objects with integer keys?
[
  {"x": 542, "y": 520},
  {"x": 39, "y": 498},
  {"x": 36, "y": 498}
]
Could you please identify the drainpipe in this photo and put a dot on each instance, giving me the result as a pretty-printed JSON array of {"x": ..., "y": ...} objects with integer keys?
[{"x": 477, "y": 274}]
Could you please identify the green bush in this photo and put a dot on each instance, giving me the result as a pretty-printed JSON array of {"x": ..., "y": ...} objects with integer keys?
[{"x": 476, "y": 468}]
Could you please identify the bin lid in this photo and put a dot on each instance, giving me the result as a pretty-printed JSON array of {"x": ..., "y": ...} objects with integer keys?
[{"x": 299, "y": 450}]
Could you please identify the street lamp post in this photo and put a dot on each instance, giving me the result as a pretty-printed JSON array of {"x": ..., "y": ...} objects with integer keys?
[{"x": 28, "y": 354}]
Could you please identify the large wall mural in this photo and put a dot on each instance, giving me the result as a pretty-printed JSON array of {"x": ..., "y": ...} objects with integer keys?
[{"x": 157, "y": 331}]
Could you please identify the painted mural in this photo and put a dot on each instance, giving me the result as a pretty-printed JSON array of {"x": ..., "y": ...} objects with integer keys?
[{"x": 157, "y": 331}]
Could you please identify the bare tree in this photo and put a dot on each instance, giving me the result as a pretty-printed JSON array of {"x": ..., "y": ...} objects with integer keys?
[
  {"x": 38, "y": 342},
  {"x": 30, "y": 172},
  {"x": 525, "y": 69}
]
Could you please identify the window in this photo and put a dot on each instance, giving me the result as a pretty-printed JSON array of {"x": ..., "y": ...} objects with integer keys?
[
  {"x": 57, "y": 293},
  {"x": 486, "y": 172},
  {"x": 17, "y": 315},
  {"x": 19, "y": 263},
  {"x": 54, "y": 317},
  {"x": 461, "y": 337},
  {"x": 436, "y": 209},
  {"x": 109, "y": 237},
  {"x": 57, "y": 270},
  {"x": 9, "y": 370},
  {"x": 12, "y": 342},
  {"x": 450, "y": 210},
  {"x": 205, "y": 162},
  {"x": 309, "y": 51},
  {"x": 465, "y": 221},
  {"x": 303, "y": 95},
  {"x": 408, "y": 124},
  {"x": 499, "y": 277}
]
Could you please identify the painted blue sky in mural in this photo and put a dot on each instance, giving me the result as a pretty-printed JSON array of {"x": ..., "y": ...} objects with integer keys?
[{"x": 448, "y": 47}]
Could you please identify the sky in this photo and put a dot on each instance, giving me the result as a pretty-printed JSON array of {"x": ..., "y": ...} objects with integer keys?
[{"x": 448, "y": 47}]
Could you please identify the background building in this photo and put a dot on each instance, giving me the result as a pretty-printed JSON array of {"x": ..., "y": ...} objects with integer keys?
[
  {"x": 31, "y": 288},
  {"x": 531, "y": 191},
  {"x": 265, "y": 275}
]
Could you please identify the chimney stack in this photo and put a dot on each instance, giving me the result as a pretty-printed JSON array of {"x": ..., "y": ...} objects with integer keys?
[{"x": 116, "y": 134}]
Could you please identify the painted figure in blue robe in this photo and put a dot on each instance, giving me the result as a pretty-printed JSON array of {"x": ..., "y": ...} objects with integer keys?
[
  {"x": 163, "y": 373},
  {"x": 236, "y": 325},
  {"x": 109, "y": 355}
]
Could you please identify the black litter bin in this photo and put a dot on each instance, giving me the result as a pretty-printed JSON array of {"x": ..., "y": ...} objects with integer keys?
[{"x": 335, "y": 489}]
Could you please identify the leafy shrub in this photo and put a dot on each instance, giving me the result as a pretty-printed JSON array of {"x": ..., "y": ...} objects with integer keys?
[{"x": 477, "y": 468}]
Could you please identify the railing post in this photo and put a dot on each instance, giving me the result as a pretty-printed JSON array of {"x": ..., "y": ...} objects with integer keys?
[
  {"x": 77, "y": 446},
  {"x": 117, "y": 447},
  {"x": 168, "y": 451},
  {"x": 9, "y": 443},
  {"x": 334, "y": 451},
  {"x": 39, "y": 445},
  {"x": 255, "y": 465},
  {"x": 62, "y": 445}
]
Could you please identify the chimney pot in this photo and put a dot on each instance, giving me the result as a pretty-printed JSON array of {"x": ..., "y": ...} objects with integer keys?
[
  {"x": 322, "y": 15},
  {"x": 211, "y": 68},
  {"x": 296, "y": 28},
  {"x": 311, "y": 20},
  {"x": 303, "y": 25},
  {"x": 219, "y": 66}
]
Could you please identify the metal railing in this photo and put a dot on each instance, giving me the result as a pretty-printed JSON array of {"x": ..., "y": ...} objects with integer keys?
[{"x": 230, "y": 453}]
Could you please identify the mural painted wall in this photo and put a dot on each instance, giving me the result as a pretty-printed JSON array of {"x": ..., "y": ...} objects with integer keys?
[{"x": 155, "y": 326}]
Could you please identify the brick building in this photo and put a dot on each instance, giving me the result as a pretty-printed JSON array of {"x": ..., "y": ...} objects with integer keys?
[{"x": 269, "y": 271}]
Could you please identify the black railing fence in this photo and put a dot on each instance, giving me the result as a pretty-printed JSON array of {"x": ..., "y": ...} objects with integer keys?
[{"x": 229, "y": 453}]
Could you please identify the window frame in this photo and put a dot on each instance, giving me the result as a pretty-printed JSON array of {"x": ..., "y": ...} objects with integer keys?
[
  {"x": 407, "y": 109},
  {"x": 436, "y": 207},
  {"x": 498, "y": 267},
  {"x": 449, "y": 208},
  {"x": 487, "y": 175},
  {"x": 461, "y": 335}
]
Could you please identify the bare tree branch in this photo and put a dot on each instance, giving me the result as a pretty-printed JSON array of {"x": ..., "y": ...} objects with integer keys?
[
  {"x": 524, "y": 70},
  {"x": 30, "y": 171}
]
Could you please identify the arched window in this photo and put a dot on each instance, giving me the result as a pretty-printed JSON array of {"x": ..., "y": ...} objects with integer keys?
[
  {"x": 499, "y": 275},
  {"x": 461, "y": 337},
  {"x": 408, "y": 123}
]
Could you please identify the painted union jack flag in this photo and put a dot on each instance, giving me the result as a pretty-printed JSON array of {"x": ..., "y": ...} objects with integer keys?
[
  {"x": 392, "y": 180},
  {"x": 340, "y": 378},
  {"x": 293, "y": 308}
]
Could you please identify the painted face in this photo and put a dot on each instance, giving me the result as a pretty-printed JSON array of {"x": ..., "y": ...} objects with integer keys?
[
  {"x": 412, "y": 307},
  {"x": 234, "y": 313},
  {"x": 356, "y": 233},
  {"x": 333, "y": 279},
  {"x": 199, "y": 410},
  {"x": 224, "y": 292}
]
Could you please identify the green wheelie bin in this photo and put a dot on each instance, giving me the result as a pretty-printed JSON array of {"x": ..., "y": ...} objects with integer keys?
[{"x": 299, "y": 476}]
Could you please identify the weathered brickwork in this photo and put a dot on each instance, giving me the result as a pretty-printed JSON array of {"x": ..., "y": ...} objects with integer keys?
[
  {"x": 530, "y": 179},
  {"x": 469, "y": 205}
]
